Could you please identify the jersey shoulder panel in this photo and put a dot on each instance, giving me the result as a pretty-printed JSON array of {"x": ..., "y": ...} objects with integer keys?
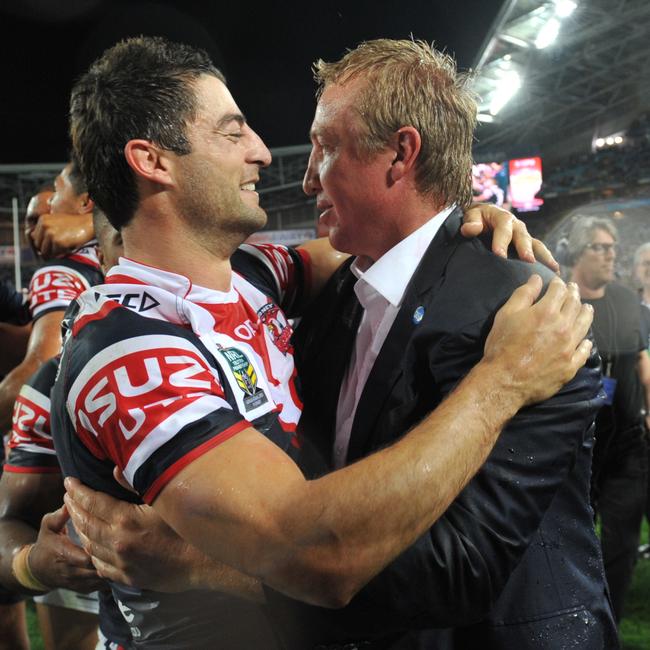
[{"x": 280, "y": 272}]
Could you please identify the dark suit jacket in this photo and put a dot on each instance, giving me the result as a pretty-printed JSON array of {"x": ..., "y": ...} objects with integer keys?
[{"x": 514, "y": 562}]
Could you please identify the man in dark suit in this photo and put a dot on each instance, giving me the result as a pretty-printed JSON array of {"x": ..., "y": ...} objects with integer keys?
[{"x": 514, "y": 562}]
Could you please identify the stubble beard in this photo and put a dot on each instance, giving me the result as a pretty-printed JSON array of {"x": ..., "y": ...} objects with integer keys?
[{"x": 219, "y": 222}]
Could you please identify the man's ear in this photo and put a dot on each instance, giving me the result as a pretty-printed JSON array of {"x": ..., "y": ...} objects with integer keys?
[
  {"x": 406, "y": 144},
  {"x": 87, "y": 204},
  {"x": 148, "y": 161}
]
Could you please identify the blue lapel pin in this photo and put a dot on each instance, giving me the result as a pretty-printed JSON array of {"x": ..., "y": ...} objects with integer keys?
[{"x": 418, "y": 315}]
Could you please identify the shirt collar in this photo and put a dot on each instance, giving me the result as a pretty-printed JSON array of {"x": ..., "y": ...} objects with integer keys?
[
  {"x": 391, "y": 273},
  {"x": 129, "y": 271}
]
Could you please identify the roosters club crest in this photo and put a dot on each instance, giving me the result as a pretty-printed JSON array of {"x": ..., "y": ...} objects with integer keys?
[{"x": 276, "y": 323}]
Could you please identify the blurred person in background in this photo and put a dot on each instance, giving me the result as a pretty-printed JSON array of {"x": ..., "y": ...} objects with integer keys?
[
  {"x": 15, "y": 329},
  {"x": 620, "y": 457},
  {"x": 53, "y": 286},
  {"x": 30, "y": 489}
]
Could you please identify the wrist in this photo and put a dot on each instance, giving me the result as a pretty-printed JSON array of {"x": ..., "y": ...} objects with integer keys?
[
  {"x": 497, "y": 389},
  {"x": 22, "y": 571}
]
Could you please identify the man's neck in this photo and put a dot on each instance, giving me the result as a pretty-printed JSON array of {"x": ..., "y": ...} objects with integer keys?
[
  {"x": 586, "y": 293},
  {"x": 410, "y": 216},
  {"x": 166, "y": 244}
]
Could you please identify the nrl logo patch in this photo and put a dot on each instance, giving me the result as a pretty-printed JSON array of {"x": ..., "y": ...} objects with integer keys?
[
  {"x": 277, "y": 325},
  {"x": 246, "y": 377}
]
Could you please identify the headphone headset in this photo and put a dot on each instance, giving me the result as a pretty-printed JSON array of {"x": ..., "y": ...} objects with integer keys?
[{"x": 563, "y": 254}]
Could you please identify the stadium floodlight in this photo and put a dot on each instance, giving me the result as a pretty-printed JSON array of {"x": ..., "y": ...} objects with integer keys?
[
  {"x": 600, "y": 142},
  {"x": 610, "y": 141},
  {"x": 618, "y": 140},
  {"x": 564, "y": 8},
  {"x": 485, "y": 117},
  {"x": 547, "y": 34},
  {"x": 507, "y": 87}
]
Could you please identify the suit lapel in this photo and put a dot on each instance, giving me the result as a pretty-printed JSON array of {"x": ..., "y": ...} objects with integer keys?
[
  {"x": 388, "y": 367},
  {"x": 323, "y": 343}
]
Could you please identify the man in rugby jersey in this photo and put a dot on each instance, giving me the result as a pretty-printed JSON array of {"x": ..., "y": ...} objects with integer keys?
[
  {"x": 54, "y": 285},
  {"x": 172, "y": 373},
  {"x": 30, "y": 488}
]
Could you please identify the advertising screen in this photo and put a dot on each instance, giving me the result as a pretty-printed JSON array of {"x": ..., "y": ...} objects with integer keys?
[
  {"x": 525, "y": 183},
  {"x": 509, "y": 184}
]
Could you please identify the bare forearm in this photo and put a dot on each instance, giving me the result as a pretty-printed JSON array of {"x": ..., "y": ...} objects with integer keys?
[
  {"x": 321, "y": 541},
  {"x": 14, "y": 534},
  {"x": 206, "y": 573},
  {"x": 350, "y": 524}
]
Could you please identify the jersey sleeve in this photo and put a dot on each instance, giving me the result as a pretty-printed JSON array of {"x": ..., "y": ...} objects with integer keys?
[
  {"x": 281, "y": 272},
  {"x": 31, "y": 449},
  {"x": 151, "y": 404},
  {"x": 54, "y": 286}
]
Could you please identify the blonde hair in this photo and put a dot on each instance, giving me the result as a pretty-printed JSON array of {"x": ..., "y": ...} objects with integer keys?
[{"x": 409, "y": 83}]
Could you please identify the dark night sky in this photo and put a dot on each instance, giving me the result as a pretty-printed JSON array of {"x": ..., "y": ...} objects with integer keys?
[{"x": 264, "y": 48}]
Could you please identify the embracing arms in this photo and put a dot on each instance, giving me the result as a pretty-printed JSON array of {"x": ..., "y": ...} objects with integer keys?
[{"x": 245, "y": 503}]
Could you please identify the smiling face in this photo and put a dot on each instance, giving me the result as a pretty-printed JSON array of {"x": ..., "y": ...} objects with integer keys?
[
  {"x": 216, "y": 181},
  {"x": 349, "y": 188}
]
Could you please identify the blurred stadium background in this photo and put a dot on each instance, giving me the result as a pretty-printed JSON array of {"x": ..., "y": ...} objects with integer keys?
[{"x": 564, "y": 128}]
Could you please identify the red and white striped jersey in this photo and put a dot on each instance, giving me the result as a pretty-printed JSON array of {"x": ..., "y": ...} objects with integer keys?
[
  {"x": 152, "y": 357},
  {"x": 58, "y": 282},
  {"x": 31, "y": 449}
]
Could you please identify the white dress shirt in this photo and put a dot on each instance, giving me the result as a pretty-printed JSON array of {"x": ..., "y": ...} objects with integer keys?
[{"x": 380, "y": 289}]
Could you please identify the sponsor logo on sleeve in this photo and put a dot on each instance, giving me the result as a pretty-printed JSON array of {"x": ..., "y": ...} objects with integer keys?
[
  {"x": 125, "y": 398},
  {"x": 55, "y": 285}
]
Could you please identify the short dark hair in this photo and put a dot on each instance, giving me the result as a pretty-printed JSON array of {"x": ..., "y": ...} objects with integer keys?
[
  {"x": 76, "y": 177},
  {"x": 140, "y": 88}
]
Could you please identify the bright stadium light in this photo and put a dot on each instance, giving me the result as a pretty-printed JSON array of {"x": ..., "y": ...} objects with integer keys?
[
  {"x": 610, "y": 141},
  {"x": 618, "y": 140},
  {"x": 547, "y": 34},
  {"x": 507, "y": 87},
  {"x": 600, "y": 142},
  {"x": 564, "y": 8}
]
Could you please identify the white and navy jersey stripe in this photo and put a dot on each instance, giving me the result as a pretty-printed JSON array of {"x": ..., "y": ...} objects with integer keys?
[
  {"x": 155, "y": 372},
  {"x": 58, "y": 282},
  {"x": 31, "y": 449}
]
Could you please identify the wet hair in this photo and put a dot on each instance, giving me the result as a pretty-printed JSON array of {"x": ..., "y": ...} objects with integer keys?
[
  {"x": 140, "y": 88},
  {"x": 76, "y": 177},
  {"x": 409, "y": 83}
]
